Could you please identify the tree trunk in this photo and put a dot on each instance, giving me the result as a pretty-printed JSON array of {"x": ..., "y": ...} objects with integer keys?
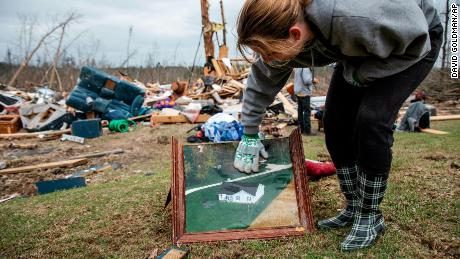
[
  {"x": 55, "y": 61},
  {"x": 207, "y": 29}
]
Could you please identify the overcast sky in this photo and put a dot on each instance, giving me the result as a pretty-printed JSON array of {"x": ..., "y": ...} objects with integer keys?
[{"x": 159, "y": 27}]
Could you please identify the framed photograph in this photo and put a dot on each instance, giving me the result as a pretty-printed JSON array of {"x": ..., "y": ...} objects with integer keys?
[{"x": 212, "y": 201}]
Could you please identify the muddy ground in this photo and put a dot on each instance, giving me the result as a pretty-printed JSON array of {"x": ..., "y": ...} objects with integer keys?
[{"x": 144, "y": 147}]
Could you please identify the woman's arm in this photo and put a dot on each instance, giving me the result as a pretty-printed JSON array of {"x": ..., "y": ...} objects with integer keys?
[{"x": 264, "y": 82}]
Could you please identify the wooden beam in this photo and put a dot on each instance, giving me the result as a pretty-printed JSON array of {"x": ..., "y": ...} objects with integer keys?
[
  {"x": 33, "y": 135},
  {"x": 445, "y": 118},
  {"x": 140, "y": 117},
  {"x": 433, "y": 131},
  {"x": 157, "y": 119},
  {"x": 24, "y": 169}
]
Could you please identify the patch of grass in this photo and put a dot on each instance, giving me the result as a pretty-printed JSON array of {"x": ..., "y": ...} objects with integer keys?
[{"x": 123, "y": 216}]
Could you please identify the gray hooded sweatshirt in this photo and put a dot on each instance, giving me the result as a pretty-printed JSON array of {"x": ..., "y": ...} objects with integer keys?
[{"x": 373, "y": 39}]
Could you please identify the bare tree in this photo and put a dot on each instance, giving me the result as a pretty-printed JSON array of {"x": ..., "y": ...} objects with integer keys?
[
  {"x": 128, "y": 54},
  {"x": 152, "y": 60},
  {"x": 54, "y": 72},
  {"x": 70, "y": 18},
  {"x": 175, "y": 53},
  {"x": 25, "y": 35}
]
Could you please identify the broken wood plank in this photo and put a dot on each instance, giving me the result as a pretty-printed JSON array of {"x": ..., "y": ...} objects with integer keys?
[
  {"x": 140, "y": 117},
  {"x": 100, "y": 154},
  {"x": 281, "y": 125},
  {"x": 219, "y": 72},
  {"x": 433, "y": 131},
  {"x": 34, "y": 135},
  {"x": 236, "y": 84},
  {"x": 288, "y": 107},
  {"x": 445, "y": 117},
  {"x": 24, "y": 169},
  {"x": 156, "y": 119}
]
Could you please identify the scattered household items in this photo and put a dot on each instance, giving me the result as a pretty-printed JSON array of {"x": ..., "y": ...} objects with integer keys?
[
  {"x": 9, "y": 102},
  {"x": 72, "y": 138},
  {"x": 46, "y": 95},
  {"x": 223, "y": 127},
  {"x": 44, "y": 187},
  {"x": 121, "y": 126},
  {"x": 107, "y": 95},
  {"x": 91, "y": 128},
  {"x": 10, "y": 124},
  {"x": 43, "y": 117},
  {"x": 272, "y": 203},
  {"x": 319, "y": 169}
]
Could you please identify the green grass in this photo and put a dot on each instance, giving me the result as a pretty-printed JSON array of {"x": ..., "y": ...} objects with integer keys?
[{"x": 125, "y": 217}]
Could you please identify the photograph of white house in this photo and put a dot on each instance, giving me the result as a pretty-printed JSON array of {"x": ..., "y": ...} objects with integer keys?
[{"x": 247, "y": 193}]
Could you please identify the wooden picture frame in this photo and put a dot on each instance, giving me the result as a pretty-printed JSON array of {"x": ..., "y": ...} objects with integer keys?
[{"x": 300, "y": 178}]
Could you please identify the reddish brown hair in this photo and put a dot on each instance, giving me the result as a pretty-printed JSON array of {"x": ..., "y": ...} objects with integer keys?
[{"x": 263, "y": 26}]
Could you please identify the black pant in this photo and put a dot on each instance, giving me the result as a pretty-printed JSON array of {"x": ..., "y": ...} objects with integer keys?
[
  {"x": 304, "y": 113},
  {"x": 358, "y": 120}
]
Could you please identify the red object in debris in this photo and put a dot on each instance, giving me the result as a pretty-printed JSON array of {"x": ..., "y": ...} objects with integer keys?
[
  {"x": 199, "y": 134},
  {"x": 316, "y": 168}
]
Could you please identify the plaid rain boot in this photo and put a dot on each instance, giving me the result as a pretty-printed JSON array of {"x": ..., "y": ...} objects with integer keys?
[
  {"x": 368, "y": 223},
  {"x": 347, "y": 180}
]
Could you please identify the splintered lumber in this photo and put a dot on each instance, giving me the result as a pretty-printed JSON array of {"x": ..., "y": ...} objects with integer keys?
[
  {"x": 60, "y": 164},
  {"x": 100, "y": 154},
  {"x": 433, "y": 131},
  {"x": 234, "y": 83},
  {"x": 156, "y": 119},
  {"x": 288, "y": 107},
  {"x": 218, "y": 69},
  {"x": 34, "y": 135},
  {"x": 445, "y": 118}
]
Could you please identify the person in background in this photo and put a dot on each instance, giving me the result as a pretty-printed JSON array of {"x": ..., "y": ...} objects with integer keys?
[
  {"x": 417, "y": 116},
  {"x": 303, "y": 86}
]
